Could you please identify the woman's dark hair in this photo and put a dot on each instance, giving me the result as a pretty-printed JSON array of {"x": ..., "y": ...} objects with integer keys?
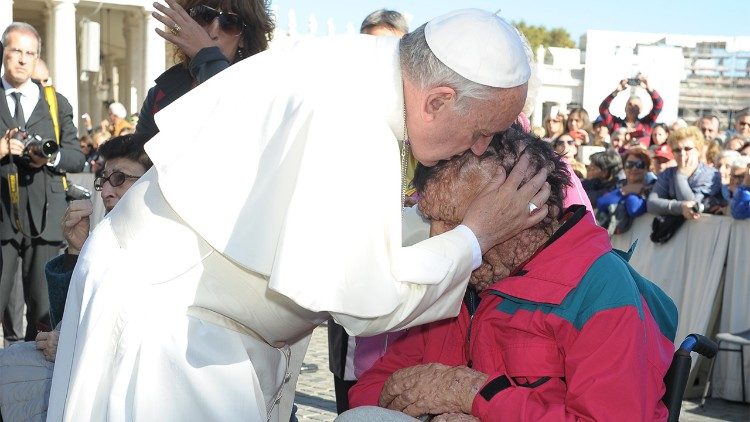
[
  {"x": 653, "y": 130},
  {"x": 130, "y": 147},
  {"x": 506, "y": 148},
  {"x": 609, "y": 161},
  {"x": 254, "y": 13}
]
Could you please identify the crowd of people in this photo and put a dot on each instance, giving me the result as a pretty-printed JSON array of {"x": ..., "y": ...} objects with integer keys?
[
  {"x": 499, "y": 207},
  {"x": 635, "y": 165}
]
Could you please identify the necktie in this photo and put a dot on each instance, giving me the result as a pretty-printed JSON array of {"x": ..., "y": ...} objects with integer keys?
[{"x": 20, "y": 119}]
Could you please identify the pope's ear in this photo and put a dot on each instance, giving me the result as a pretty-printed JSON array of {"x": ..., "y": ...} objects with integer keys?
[{"x": 437, "y": 100}]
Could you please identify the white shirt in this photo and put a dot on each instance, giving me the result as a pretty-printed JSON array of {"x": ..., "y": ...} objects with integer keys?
[{"x": 30, "y": 95}]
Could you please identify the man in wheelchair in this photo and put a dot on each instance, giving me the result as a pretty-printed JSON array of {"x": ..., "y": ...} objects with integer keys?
[{"x": 555, "y": 323}]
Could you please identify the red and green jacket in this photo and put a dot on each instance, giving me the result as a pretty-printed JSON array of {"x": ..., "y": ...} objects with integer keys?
[{"x": 576, "y": 334}]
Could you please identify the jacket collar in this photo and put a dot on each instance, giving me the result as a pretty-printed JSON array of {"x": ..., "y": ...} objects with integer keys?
[{"x": 557, "y": 269}]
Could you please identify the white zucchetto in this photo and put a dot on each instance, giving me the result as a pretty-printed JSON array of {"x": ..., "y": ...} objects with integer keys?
[{"x": 479, "y": 46}]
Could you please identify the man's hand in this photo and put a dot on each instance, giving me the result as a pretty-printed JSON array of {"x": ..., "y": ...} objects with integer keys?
[
  {"x": 37, "y": 161},
  {"x": 5, "y": 144},
  {"x": 432, "y": 388},
  {"x": 46, "y": 342},
  {"x": 501, "y": 209},
  {"x": 76, "y": 224},
  {"x": 10, "y": 145},
  {"x": 622, "y": 86}
]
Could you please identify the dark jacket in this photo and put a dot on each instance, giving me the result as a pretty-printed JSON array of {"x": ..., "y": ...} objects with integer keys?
[
  {"x": 42, "y": 195},
  {"x": 177, "y": 81}
]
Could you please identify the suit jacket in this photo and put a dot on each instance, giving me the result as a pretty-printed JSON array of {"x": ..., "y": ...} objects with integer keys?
[{"x": 42, "y": 195}]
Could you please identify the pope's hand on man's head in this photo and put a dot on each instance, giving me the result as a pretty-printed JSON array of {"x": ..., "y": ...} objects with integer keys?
[{"x": 501, "y": 209}]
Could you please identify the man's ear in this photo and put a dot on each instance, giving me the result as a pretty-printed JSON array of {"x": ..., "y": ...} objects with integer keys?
[{"x": 437, "y": 100}]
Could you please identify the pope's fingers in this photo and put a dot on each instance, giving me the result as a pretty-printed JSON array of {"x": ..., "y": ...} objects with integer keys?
[
  {"x": 536, "y": 216},
  {"x": 533, "y": 186},
  {"x": 518, "y": 174},
  {"x": 542, "y": 195}
]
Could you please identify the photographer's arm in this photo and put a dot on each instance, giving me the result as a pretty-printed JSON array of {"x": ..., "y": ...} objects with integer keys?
[
  {"x": 604, "y": 112},
  {"x": 656, "y": 100}
]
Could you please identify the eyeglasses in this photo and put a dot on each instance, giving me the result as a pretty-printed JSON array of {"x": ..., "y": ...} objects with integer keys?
[
  {"x": 681, "y": 150},
  {"x": 640, "y": 165},
  {"x": 560, "y": 142},
  {"x": 738, "y": 177},
  {"x": 115, "y": 179},
  {"x": 231, "y": 23},
  {"x": 743, "y": 123},
  {"x": 16, "y": 53}
]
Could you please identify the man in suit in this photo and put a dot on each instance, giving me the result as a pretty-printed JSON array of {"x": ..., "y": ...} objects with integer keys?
[{"x": 30, "y": 226}]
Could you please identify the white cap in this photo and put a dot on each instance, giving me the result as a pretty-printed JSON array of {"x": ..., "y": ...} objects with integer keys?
[
  {"x": 118, "y": 110},
  {"x": 479, "y": 46}
]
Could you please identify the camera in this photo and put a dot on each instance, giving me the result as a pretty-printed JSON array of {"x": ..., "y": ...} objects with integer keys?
[
  {"x": 35, "y": 144},
  {"x": 634, "y": 81},
  {"x": 698, "y": 207}
]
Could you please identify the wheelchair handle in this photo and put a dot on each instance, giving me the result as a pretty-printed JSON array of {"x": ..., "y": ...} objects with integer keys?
[{"x": 699, "y": 344}]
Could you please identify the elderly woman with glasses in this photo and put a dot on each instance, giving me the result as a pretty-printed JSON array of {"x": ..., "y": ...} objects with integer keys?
[
  {"x": 691, "y": 186},
  {"x": 208, "y": 36},
  {"x": 26, "y": 367}
]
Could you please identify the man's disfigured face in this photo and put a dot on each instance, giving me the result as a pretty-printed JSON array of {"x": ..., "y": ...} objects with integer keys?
[
  {"x": 445, "y": 199},
  {"x": 438, "y": 132}
]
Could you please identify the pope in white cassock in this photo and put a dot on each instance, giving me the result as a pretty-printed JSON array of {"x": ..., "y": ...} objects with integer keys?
[{"x": 195, "y": 298}]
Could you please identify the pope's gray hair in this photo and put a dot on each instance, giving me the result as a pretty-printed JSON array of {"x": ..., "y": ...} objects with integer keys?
[
  {"x": 22, "y": 27},
  {"x": 423, "y": 68}
]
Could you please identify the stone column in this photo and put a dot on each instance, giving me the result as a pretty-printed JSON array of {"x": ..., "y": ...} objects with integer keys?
[
  {"x": 154, "y": 59},
  {"x": 63, "y": 50},
  {"x": 6, "y": 14},
  {"x": 133, "y": 76}
]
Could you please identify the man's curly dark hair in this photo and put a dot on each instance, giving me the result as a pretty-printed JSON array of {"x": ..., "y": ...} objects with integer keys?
[{"x": 506, "y": 148}]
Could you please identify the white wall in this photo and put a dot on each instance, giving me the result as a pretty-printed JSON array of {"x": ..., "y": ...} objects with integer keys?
[{"x": 612, "y": 56}]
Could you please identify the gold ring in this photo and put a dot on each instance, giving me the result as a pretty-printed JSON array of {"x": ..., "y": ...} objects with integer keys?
[{"x": 175, "y": 29}]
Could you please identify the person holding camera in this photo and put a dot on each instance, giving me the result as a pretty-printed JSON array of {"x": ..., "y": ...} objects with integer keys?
[
  {"x": 32, "y": 163},
  {"x": 639, "y": 129},
  {"x": 692, "y": 186}
]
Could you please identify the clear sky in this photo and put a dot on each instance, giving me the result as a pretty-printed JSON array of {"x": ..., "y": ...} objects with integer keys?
[{"x": 692, "y": 17}]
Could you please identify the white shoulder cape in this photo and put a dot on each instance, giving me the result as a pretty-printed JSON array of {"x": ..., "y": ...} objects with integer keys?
[{"x": 288, "y": 163}]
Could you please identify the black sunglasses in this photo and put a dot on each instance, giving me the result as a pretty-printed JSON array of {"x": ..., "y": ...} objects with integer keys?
[
  {"x": 640, "y": 165},
  {"x": 231, "y": 23},
  {"x": 115, "y": 179}
]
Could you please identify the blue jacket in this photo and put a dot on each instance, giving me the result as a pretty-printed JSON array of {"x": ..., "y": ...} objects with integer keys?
[{"x": 740, "y": 204}]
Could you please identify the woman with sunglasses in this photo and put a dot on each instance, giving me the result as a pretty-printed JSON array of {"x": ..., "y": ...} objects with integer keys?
[
  {"x": 208, "y": 36},
  {"x": 567, "y": 147},
  {"x": 629, "y": 201},
  {"x": 691, "y": 186}
]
